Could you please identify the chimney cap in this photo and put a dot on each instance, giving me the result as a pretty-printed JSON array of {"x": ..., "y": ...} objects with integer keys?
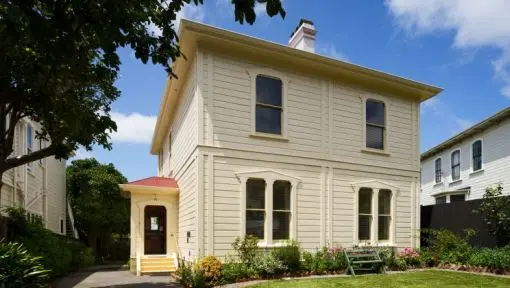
[{"x": 301, "y": 22}]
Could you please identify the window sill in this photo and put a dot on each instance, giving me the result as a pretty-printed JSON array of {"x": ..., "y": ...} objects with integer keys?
[
  {"x": 438, "y": 183},
  {"x": 375, "y": 151},
  {"x": 476, "y": 172},
  {"x": 275, "y": 244},
  {"x": 455, "y": 181},
  {"x": 368, "y": 244},
  {"x": 269, "y": 137}
]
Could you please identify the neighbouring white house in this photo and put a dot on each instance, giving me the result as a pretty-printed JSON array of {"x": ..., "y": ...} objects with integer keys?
[
  {"x": 462, "y": 167},
  {"x": 278, "y": 142},
  {"x": 40, "y": 186}
]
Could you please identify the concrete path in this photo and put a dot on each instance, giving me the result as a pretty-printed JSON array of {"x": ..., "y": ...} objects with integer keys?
[{"x": 113, "y": 278}]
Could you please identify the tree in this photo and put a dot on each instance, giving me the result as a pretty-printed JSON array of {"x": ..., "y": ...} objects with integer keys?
[
  {"x": 98, "y": 207},
  {"x": 495, "y": 209},
  {"x": 59, "y": 63}
]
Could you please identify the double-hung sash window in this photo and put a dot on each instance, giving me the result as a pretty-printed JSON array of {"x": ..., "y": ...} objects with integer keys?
[
  {"x": 281, "y": 210},
  {"x": 477, "y": 155},
  {"x": 375, "y": 124},
  {"x": 384, "y": 212},
  {"x": 365, "y": 214},
  {"x": 269, "y": 105},
  {"x": 456, "y": 165},
  {"x": 439, "y": 176},
  {"x": 375, "y": 214},
  {"x": 255, "y": 207}
]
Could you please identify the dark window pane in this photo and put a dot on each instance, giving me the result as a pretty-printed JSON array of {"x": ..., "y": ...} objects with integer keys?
[
  {"x": 255, "y": 194},
  {"x": 438, "y": 170},
  {"x": 268, "y": 120},
  {"x": 364, "y": 227},
  {"x": 477, "y": 155},
  {"x": 255, "y": 223},
  {"x": 375, "y": 137},
  {"x": 269, "y": 90},
  {"x": 281, "y": 195},
  {"x": 456, "y": 172},
  {"x": 365, "y": 201},
  {"x": 457, "y": 198},
  {"x": 385, "y": 202},
  {"x": 281, "y": 224},
  {"x": 441, "y": 200},
  {"x": 383, "y": 231},
  {"x": 456, "y": 158},
  {"x": 456, "y": 165},
  {"x": 375, "y": 112}
]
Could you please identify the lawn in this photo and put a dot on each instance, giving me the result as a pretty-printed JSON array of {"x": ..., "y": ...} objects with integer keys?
[{"x": 431, "y": 278}]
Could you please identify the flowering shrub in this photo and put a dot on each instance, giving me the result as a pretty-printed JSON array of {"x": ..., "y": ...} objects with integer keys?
[
  {"x": 324, "y": 260},
  {"x": 411, "y": 257},
  {"x": 211, "y": 267}
]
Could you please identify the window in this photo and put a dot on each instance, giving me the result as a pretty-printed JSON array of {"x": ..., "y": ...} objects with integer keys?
[
  {"x": 29, "y": 143},
  {"x": 441, "y": 200},
  {"x": 269, "y": 107},
  {"x": 281, "y": 210},
  {"x": 255, "y": 207},
  {"x": 384, "y": 215},
  {"x": 457, "y": 198},
  {"x": 365, "y": 213},
  {"x": 455, "y": 165},
  {"x": 438, "y": 170},
  {"x": 61, "y": 226},
  {"x": 375, "y": 124},
  {"x": 477, "y": 155}
]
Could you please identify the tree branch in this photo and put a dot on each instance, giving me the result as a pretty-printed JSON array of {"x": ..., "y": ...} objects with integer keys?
[{"x": 10, "y": 163}]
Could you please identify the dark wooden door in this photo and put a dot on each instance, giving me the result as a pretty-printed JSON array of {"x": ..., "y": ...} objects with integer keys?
[{"x": 155, "y": 230}]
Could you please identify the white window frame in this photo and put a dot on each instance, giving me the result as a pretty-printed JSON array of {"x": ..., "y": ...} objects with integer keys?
[
  {"x": 271, "y": 73},
  {"x": 447, "y": 194},
  {"x": 269, "y": 176},
  {"x": 471, "y": 156},
  {"x": 442, "y": 171},
  {"x": 376, "y": 186},
  {"x": 386, "y": 136},
  {"x": 451, "y": 166}
]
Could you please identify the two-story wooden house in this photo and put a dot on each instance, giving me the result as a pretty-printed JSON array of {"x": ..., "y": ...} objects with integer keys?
[{"x": 278, "y": 142}]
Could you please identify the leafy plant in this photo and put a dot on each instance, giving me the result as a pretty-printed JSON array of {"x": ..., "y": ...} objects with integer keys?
[
  {"x": 498, "y": 258},
  {"x": 289, "y": 255},
  {"x": 325, "y": 259},
  {"x": 246, "y": 248},
  {"x": 234, "y": 272},
  {"x": 411, "y": 257},
  {"x": 448, "y": 247},
  {"x": 267, "y": 265},
  {"x": 18, "y": 268},
  {"x": 211, "y": 267},
  {"x": 495, "y": 210},
  {"x": 192, "y": 275}
]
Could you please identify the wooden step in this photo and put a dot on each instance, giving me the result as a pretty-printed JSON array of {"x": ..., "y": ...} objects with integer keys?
[{"x": 157, "y": 264}]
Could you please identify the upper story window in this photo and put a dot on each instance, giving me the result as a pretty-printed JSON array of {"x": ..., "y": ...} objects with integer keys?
[
  {"x": 375, "y": 124},
  {"x": 477, "y": 155},
  {"x": 455, "y": 165},
  {"x": 269, "y": 105},
  {"x": 29, "y": 142},
  {"x": 438, "y": 172}
]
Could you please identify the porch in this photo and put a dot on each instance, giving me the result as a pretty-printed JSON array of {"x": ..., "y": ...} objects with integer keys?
[{"x": 153, "y": 227}]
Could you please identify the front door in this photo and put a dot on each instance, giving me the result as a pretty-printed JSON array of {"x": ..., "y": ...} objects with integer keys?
[{"x": 155, "y": 230}]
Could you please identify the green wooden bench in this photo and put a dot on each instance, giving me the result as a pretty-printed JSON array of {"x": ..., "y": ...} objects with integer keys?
[{"x": 363, "y": 260}]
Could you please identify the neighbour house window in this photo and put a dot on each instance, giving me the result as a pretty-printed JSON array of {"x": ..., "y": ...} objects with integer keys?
[
  {"x": 455, "y": 165},
  {"x": 281, "y": 210},
  {"x": 441, "y": 200},
  {"x": 477, "y": 155},
  {"x": 29, "y": 138},
  {"x": 457, "y": 198},
  {"x": 375, "y": 124},
  {"x": 365, "y": 213},
  {"x": 438, "y": 170},
  {"x": 255, "y": 207},
  {"x": 384, "y": 215},
  {"x": 269, "y": 107}
]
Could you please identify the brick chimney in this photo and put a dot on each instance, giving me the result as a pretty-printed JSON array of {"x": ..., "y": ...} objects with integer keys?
[{"x": 303, "y": 37}]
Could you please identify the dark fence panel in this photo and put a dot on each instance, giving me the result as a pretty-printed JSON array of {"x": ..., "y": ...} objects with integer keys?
[{"x": 456, "y": 217}]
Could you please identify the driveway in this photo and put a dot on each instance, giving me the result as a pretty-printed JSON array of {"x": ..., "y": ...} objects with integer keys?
[{"x": 113, "y": 277}]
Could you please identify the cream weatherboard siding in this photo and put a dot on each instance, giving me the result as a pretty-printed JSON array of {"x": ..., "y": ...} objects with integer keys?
[
  {"x": 495, "y": 165},
  {"x": 32, "y": 180},
  {"x": 322, "y": 147}
]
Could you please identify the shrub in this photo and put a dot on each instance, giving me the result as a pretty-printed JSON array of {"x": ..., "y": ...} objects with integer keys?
[
  {"x": 411, "y": 257},
  {"x": 234, "y": 272},
  {"x": 325, "y": 259},
  {"x": 267, "y": 265},
  {"x": 289, "y": 256},
  {"x": 211, "y": 267},
  {"x": 495, "y": 210},
  {"x": 491, "y": 258},
  {"x": 190, "y": 276},
  {"x": 246, "y": 248},
  {"x": 18, "y": 268},
  {"x": 448, "y": 247}
]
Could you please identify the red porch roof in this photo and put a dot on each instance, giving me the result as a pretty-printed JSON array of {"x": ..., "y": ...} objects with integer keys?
[{"x": 156, "y": 182}]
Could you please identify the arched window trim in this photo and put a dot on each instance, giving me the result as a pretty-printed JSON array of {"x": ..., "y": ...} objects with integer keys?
[
  {"x": 440, "y": 170},
  {"x": 451, "y": 165},
  {"x": 472, "y": 156}
]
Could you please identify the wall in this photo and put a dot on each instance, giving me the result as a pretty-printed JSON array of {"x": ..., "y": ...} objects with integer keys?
[{"x": 495, "y": 165}]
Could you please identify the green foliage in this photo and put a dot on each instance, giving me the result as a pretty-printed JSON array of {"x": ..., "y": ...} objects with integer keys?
[
  {"x": 246, "y": 249},
  {"x": 234, "y": 272},
  {"x": 289, "y": 255},
  {"x": 58, "y": 253},
  {"x": 324, "y": 260},
  {"x": 495, "y": 210},
  {"x": 60, "y": 62},
  {"x": 411, "y": 257},
  {"x": 192, "y": 275},
  {"x": 267, "y": 265},
  {"x": 447, "y": 247},
  {"x": 498, "y": 258},
  {"x": 99, "y": 209},
  {"x": 18, "y": 268}
]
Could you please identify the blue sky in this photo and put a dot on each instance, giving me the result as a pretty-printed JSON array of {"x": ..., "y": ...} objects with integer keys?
[{"x": 462, "y": 46}]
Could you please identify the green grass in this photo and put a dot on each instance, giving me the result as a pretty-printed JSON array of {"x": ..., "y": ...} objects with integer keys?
[{"x": 430, "y": 278}]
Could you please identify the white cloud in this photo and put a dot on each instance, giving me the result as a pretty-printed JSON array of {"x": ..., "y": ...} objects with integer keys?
[
  {"x": 259, "y": 8},
  {"x": 134, "y": 128},
  {"x": 441, "y": 112},
  {"x": 189, "y": 11},
  {"x": 80, "y": 154},
  {"x": 475, "y": 24},
  {"x": 331, "y": 51}
]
